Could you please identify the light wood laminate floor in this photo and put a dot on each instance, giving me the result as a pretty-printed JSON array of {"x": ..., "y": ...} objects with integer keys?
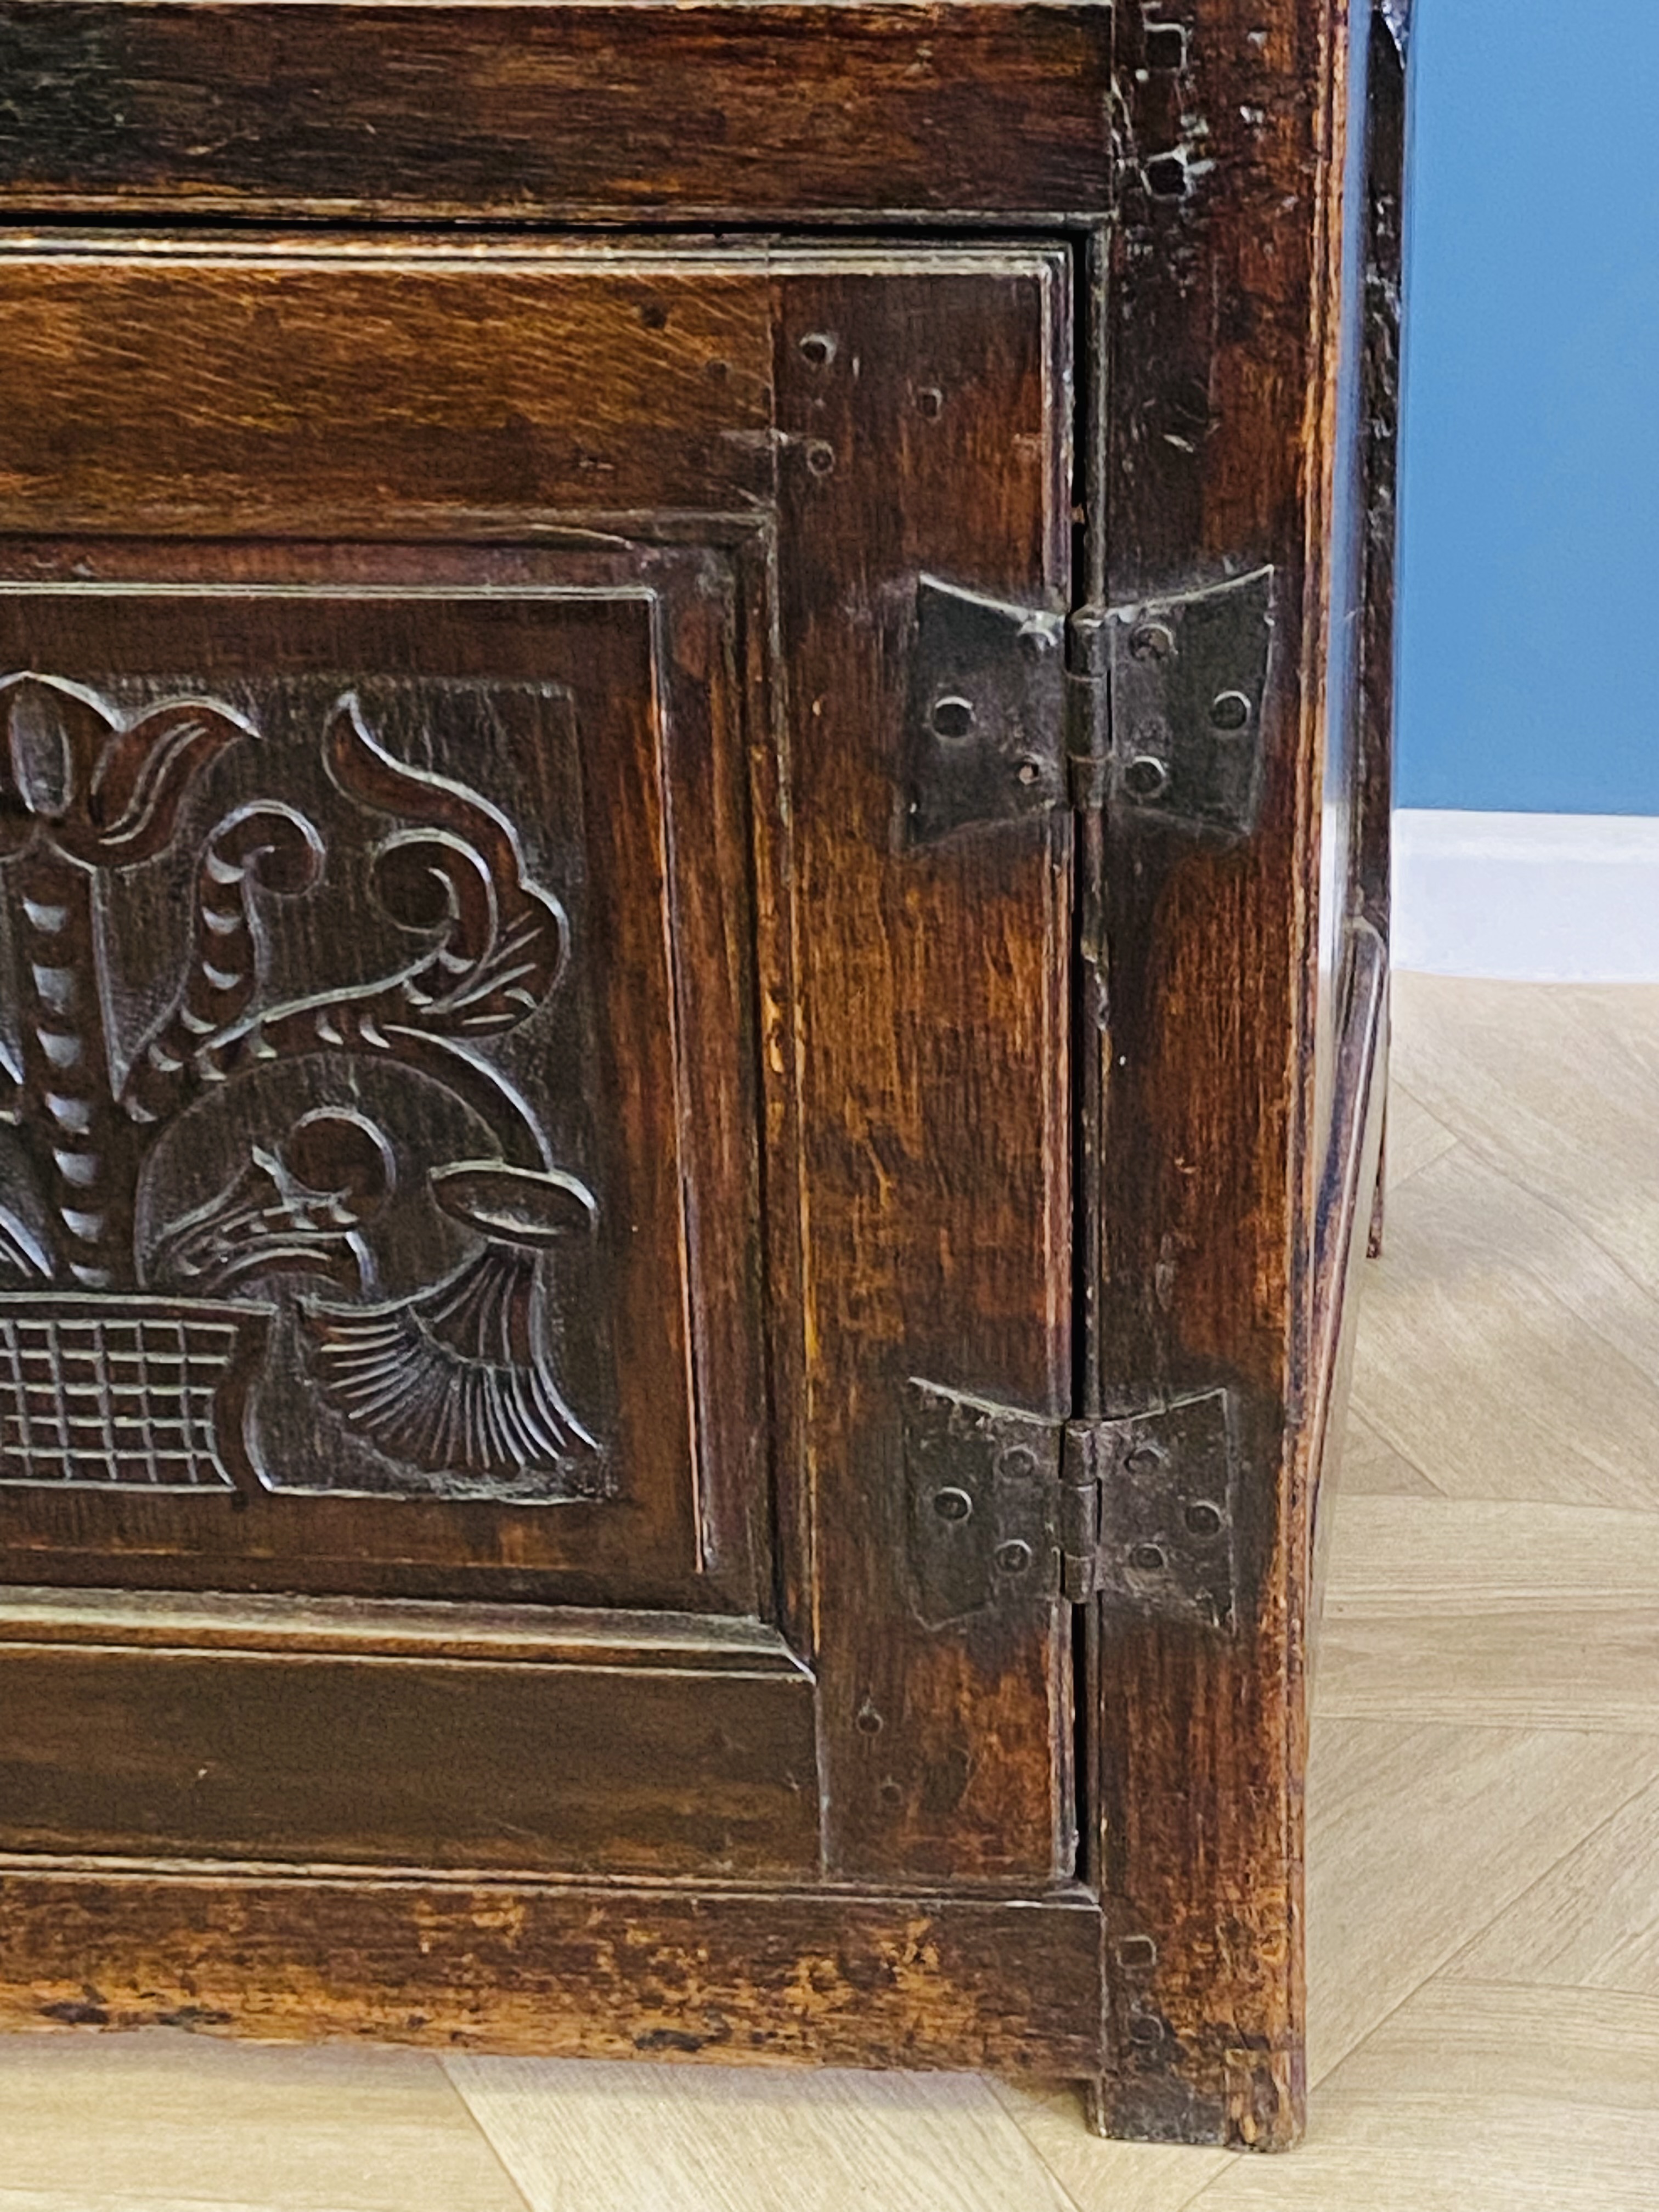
[{"x": 1483, "y": 1844}]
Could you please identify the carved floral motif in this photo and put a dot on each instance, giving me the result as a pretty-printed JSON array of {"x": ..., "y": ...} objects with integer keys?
[{"x": 127, "y": 1361}]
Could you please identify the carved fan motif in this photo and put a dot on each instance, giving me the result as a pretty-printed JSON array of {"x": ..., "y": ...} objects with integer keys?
[{"x": 458, "y": 1376}]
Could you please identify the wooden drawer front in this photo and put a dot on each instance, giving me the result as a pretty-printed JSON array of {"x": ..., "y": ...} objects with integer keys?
[{"x": 592, "y": 110}]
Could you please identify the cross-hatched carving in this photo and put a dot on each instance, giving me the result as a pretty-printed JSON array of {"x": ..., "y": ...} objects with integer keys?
[{"x": 113, "y": 1401}]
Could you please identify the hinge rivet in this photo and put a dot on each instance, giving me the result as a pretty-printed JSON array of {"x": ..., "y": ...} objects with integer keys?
[
  {"x": 1145, "y": 776},
  {"x": 1144, "y": 1462},
  {"x": 1029, "y": 771},
  {"x": 1039, "y": 638},
  {"x": 1013, "y": 1557},
  {"x": 1147, "y": 1558},
  {"x": 1204, "y": 1519},
  {"x": 1151, "y": 641},
  {"x": 952, "y": 717},
  {"x": 1019, "y": 1461},
  {"x": 1229, "y": 711},
  {"x": 952, "y": 1504}
]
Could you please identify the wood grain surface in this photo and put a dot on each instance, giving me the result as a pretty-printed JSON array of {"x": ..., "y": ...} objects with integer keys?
[
  {"x": 773, "y": 1976},
  {"x": 1223, "y": 367},
  {"x": 933, "y": 1064},
  {"x": 346, "y": 389},
  {"x": 1142, "y": 391},
  {"x": 275, "y": 1756},
  {"x": 604, "y": 114}
]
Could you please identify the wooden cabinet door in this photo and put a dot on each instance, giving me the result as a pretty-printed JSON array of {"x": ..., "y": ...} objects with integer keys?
[{"x": 498, "y": 1106}]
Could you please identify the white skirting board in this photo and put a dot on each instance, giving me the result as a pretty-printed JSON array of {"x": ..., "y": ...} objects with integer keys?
[{"x": 1540, "y": 898}]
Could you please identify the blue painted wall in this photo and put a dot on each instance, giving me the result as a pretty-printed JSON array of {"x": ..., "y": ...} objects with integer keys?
[{"x": 1530, "y": 580}]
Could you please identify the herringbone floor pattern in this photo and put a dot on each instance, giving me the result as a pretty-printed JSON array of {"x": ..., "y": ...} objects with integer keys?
[{"x": 1483, "y": 1844}]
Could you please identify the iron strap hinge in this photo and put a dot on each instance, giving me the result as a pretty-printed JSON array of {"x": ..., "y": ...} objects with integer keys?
[
  {"x": 1156, "y": 707},
  {"x": 1007, "y": 1506}
]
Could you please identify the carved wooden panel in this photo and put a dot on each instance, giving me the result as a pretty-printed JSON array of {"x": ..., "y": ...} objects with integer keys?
[
  {"x": 340, "y": 1069},
  {"x": 245, "y": 1189}
]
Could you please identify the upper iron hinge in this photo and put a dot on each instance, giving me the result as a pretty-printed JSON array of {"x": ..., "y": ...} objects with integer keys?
[
  {"x": 1157, "y": 708},
  {"x": 1007, "y": 1506}
]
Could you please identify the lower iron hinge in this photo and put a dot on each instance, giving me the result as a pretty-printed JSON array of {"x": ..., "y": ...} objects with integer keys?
[{"x": 1007, "y": 1506}]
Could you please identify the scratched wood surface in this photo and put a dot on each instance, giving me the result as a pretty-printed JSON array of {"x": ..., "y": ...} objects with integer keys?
[
  {"x": 934, "y": 1071},
  {"x": 349, "y": 388},
  {"x": 778, "y": 1976}
]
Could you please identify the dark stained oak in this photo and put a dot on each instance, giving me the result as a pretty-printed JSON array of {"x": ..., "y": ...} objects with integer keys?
[
  {"x": 646, "y": 1769},
  {"x": 516, "y": 561},
  {"x": 588, "y": 113},
  {"x": 495, "y": 877},
  {"x": 933, "y": 1069},
  {"x": 1226, "y": 364},
  {"x": 349, "y": 389},
  {"x": 343, "y": 1443}
]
